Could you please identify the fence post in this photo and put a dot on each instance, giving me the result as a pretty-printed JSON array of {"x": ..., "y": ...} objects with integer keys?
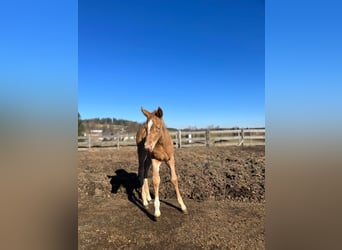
[
  {"x": 89, "y": 141},
  {"x": 207, "y": 137},
  {"x": 179, "y": 137},
  {"x": 242, "y": 136}
]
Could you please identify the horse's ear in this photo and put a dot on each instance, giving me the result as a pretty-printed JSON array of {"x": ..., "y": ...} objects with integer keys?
[
  {"x": 159, "y": 112},
  {"x": 145, "y": 112}
]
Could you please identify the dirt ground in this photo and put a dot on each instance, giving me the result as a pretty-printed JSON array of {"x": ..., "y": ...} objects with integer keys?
[{"x": 222, "y": 187}]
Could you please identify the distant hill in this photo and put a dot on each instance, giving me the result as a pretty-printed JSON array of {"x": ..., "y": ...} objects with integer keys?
[{"x": 110, "y": 126}]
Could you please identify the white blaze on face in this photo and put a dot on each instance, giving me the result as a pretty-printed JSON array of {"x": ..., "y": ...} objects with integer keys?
[{"x": 149, "y": 125}]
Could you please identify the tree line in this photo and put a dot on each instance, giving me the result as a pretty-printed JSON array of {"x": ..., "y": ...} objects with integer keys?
[{"x": 109, "y": 126}]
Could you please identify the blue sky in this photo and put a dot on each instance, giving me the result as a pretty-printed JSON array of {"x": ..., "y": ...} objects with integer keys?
[
  {"x": 203, "y": 62},
  {"x": 38, "y": 65}
]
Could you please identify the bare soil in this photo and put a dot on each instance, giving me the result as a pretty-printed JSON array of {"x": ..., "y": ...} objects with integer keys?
[{"x": 222, "y": 187}]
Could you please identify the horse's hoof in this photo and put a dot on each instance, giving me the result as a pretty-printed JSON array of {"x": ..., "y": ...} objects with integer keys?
[
  {"x": 157, "y": 215},
  {"x": 185, "y": 211}
]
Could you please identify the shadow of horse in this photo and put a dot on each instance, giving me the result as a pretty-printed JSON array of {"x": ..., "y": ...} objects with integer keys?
[{"x": 130, "y": 182}]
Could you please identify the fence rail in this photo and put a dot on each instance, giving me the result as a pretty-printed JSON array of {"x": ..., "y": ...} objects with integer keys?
[{"x": 184, "y": 138}]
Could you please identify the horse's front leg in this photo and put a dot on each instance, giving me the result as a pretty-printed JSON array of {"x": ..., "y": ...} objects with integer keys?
[
  {"x": 145, "y": 190},
  {"x": 156, "y": 182}
]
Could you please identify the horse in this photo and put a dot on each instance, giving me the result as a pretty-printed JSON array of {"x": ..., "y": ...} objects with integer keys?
[{"x": 154, "y": 146}]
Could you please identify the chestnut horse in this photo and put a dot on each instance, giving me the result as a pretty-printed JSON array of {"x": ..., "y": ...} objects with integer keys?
[{"x": 155, "y": 146}]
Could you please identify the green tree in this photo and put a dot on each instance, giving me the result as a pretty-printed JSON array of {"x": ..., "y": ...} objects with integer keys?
[{"x": 80, "y": 125}]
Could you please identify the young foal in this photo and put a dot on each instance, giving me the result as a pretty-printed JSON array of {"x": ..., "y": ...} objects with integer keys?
[{"x": 155, "y": 146}]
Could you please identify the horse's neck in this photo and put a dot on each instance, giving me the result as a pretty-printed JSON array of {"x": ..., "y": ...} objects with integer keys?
[
  {"x": 166, "y": 144},
  {"x": 165, "y": 138}
]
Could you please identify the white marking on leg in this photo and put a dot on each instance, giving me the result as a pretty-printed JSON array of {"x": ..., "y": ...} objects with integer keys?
[
  {"x": 149, "y": 125},
  {"x": 156, "y": 182},
  {"x": 180, "y": 201},
  {"x": 156, "y": 207}
]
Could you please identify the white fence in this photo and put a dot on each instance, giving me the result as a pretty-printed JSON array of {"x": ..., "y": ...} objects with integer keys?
[{"x": 184, "y": 138}]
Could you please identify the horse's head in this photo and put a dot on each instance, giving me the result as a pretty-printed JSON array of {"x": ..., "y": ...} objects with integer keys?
[{"x": 154, "y": 127}]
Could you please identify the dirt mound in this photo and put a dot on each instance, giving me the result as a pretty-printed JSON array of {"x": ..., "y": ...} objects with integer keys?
[
  {"x": 233, "y": 173},
  {"x": 219, "y": 173}
]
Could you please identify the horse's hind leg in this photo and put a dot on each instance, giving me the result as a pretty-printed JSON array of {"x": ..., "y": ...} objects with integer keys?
[
  {"x": 145, "y": 193},
  {"x": 174, "y": 180}
]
